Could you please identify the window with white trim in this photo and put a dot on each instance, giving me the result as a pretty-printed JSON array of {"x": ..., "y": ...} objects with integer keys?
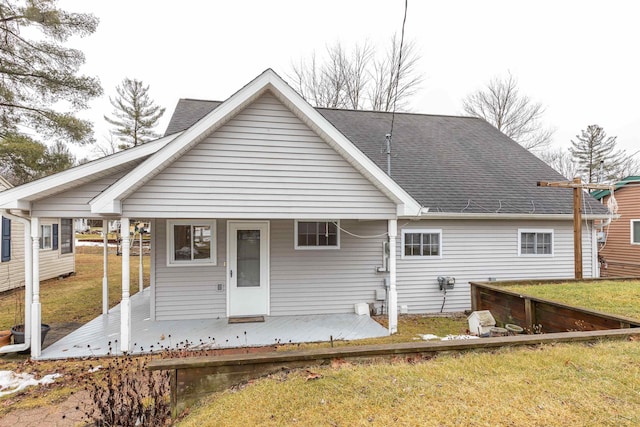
[
  {"x": 635, "y": 231},
  {"x": 535, "y": 242},
  {"x": 317, "y": 234},
  {"x": 421, "y": 243},
  {"x": 46, "y": 239},
  {"x": 66, "y": 236},
  {"x": 191, "y": 242}
]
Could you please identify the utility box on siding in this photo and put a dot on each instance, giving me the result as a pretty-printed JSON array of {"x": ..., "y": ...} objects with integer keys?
[{"x": 481, "y": 322}]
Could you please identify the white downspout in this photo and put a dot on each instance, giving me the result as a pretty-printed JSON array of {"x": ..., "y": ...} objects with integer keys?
[
  {"x": 28, "y": 283},
  {"x": 393, "y": 293}
]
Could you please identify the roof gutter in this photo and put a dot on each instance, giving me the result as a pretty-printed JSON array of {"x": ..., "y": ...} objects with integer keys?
[
  {"x": 28, "y": 284},
  {"x": 501, "y": 216}
]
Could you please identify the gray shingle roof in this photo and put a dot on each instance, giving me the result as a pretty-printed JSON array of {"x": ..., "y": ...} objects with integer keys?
[{"x": 447, "y": 163}]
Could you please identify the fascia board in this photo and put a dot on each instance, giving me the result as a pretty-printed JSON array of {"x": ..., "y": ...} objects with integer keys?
[
  {"x": 104, "y": 203},
  {"x": 19, "y": 197},
  {"x": 347, "y": 149}
]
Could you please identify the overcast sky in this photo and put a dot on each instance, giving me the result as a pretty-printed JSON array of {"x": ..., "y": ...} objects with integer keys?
[{"x": 578, "y": 58}]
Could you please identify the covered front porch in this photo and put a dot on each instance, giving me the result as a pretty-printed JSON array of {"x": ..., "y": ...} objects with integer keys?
[{"x": 101, "y": 336}]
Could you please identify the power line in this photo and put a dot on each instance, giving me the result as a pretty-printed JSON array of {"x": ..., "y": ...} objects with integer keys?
[{"x": 389, "y": 136}]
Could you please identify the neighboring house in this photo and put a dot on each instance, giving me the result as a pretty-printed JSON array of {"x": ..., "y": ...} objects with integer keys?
[
  {"x": 620, "y": 243},
  {"x": 56, "y": 252},
  {"x": 264, "y": 205}
]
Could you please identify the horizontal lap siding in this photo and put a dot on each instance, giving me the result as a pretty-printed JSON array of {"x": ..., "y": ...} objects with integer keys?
[
  {"x": 189, "y": 292},
  {"x": 12, "y": 272},
  {"x": 476, "y": 251},
  {"x": 325, "y": 281},
  {"x": 621, "y": 257},
  {"x": 52, "y": 262},
  {"x": 264, "y": 163},
  {"x": 73, "y": 203}
]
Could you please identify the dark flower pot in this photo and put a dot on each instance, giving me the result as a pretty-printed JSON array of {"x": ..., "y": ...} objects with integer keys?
[{"x": 18, "y": 333}]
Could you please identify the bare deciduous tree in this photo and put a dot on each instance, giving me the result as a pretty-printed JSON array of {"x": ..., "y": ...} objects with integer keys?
[
  {"x": 561, "y": 161},
  {"x": 515, "y": 115},
  {"x": 359, "y": 78}
]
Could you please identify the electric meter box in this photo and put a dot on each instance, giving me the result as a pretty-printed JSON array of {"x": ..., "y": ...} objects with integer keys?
[{"x": 481, "y": 322}]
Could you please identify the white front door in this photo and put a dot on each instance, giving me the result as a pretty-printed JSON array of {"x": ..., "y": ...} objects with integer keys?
[{"x": 248, "y": 268}]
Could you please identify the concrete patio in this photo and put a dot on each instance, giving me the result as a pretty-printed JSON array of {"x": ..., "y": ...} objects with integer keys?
[{"x": 100, "y": 337}]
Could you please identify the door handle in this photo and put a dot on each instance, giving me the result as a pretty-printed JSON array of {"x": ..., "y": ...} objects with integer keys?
[{"x": 230, "y": 273}]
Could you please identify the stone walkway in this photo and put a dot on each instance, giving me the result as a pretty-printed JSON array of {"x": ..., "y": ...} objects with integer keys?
[{"x": 64, "y": 414}]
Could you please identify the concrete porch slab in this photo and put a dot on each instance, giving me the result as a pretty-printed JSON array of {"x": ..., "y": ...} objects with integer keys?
[{"x": 100, "y": 337}]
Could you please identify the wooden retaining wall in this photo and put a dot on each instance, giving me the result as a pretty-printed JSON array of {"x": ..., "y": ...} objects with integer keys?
[
  {"x": 195, "y": 377},
  {"x": 529, "y": 312}
]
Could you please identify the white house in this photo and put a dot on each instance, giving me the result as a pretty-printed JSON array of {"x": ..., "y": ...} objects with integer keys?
[
  {"x": 56, "y": 251},
  {"x": 264, "y": 205}
]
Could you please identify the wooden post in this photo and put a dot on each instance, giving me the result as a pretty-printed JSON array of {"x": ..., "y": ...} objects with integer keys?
[
  {"x": 577, "y": 186},
  {"x": 577, "y": 227}
]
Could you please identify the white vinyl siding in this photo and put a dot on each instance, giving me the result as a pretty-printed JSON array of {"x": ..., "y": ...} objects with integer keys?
[
  {"x": 264, "y": 163},
  {"x": 326, "y": 282},
  {"x": 74, "y": 203},
  {"x": 12, "y": 271},
  {"x": 301, "y": 282},
  {"x": 190, "y": 291},
  {"x": 477, "y": 251}
]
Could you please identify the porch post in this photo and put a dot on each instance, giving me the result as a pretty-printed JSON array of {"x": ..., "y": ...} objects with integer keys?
[
  {"x": 393, "y": 294},
  {"x": 36, "y": 314},
  {"x": 105, "y": 279},
  {"x": 125, "y": 304}
]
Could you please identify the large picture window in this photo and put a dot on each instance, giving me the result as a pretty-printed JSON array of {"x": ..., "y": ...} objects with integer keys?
[
  {"x": 421, "y": 243},
  {"x": 535, "y": 242},
  {"x": 191, "y": 242},
  {"x": 317, "y": 235},
  {"x": 635, "y": 231},
  {"x": 66, "y": 236}
]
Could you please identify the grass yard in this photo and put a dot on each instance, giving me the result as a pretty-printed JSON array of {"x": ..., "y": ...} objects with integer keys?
[
  {"x": 76, "y": 298},
  {"x": 564, "y": 384},
  {"x": 608, "y": 296}
]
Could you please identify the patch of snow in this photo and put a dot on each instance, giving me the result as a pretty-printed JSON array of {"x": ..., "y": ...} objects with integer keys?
[
  {"x": 428, "y": 337},
  {"x": 460, "y": 337},
  {"x": 96, "y": 369},
  {"x": 10, "y": 382}
]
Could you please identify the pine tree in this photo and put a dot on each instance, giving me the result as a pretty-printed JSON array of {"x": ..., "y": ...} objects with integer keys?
[
  {"x": 135, "y": 114},
  {"x": 38, "y": 74},
  {"x": 593, "y": 149}
]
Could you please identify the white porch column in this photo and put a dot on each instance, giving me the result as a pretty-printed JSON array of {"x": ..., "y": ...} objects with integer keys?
[
  {"x": 125, "y": 304},
  {"x": 393, "y": 293},
  {"x": 36, "y": 313},
  {"x": 105, "y": 264}
]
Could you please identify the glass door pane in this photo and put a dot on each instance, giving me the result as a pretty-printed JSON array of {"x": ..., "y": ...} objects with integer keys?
[{"x": 248, "y": 258}]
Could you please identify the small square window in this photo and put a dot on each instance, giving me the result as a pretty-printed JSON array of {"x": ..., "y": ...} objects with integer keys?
[
  {"x": 317, "y": 235},
  {"x": 421, "y": 243},
  {"x": 535, "y": 242},
  {"x": 191, "y": 242}
]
